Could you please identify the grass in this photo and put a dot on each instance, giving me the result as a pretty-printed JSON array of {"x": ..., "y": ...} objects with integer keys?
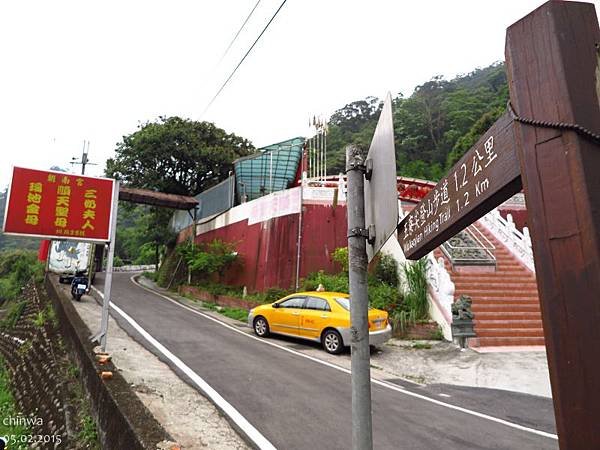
[
  {"x": 8, "y": 409},
  {"x": 421, "y": 346},
  {"x": 15, "y": 311},
  {"x": 233, "y": 313},
  {"x": 87, "y": 433}
]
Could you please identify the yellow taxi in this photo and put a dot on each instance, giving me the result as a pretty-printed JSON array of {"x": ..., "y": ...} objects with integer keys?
[{"x": 317, "y": 316}]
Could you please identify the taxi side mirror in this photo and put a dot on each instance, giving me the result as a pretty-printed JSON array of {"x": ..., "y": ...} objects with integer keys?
[{"x": 275, "y": 305}]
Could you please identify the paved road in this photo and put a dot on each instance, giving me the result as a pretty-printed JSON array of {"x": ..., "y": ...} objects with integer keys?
[{"x": 297, "y": 403}]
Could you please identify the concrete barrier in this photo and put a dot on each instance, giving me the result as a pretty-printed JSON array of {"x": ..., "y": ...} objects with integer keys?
[{"x": 123, "y": 420}]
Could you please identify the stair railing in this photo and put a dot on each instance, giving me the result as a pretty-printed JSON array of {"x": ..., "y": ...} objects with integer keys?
[
  {"x": 441, "y": 284},
  {"x": 517, "y": 242},
  {"x": 470, "y": 247}
]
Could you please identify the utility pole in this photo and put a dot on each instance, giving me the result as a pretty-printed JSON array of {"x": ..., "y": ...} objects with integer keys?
[
  {"x": 362, "y": 433},
  {"x": 84, "y": 157},
  {"x": 92, "y": 250}
]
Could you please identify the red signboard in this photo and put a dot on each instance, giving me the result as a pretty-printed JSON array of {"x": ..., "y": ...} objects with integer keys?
[{"x": 59, "y": 205}]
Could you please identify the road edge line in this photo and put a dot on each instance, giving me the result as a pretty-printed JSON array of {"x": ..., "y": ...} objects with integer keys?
[
  {"x": 343, "y": 369},
  {"x": 229, "y": 410}
]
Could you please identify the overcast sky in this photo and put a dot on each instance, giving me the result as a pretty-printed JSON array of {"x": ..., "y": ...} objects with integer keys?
[{"x": 81, "y": 70}]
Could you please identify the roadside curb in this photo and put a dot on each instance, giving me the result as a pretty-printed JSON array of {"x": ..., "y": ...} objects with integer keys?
[{"x": 123, "y": 420}]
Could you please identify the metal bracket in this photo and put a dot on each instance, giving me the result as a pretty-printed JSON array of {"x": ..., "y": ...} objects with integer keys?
[
  {"x": 358, "y": 232},
  {"x": 360, "y": 167},
  {"x": 369, "y": 169},
  {"x": 368, "y": 234},
  {"x": 97, "y": 337}
]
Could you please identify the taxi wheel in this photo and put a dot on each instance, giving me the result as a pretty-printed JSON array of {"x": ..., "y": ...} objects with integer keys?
[
  {"x": 261, "y": 327},
  {"x": 332, "y": 342}
]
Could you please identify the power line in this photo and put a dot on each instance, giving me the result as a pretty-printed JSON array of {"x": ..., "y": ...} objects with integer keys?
[
  {"x": 238, "y": 32},
  {"x": 242, "y": 60}
]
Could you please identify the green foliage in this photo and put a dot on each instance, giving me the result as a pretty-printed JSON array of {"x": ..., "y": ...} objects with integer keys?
[
  {"x": 151, "y": 275},
  {"x": 176, "y": 155},
  {"x": 44, "y": 316},
  {"x": 8, "y": 408},
  {"x": 333, "y": 283},
  {"x": 17, "y": 267},
  {"x": 15, "y": 311},
  {"x": 88, "y": 433},
  {"x": 440, "y": 118},
  {"x": 117, "y": 261},
  {"x": 386, "y": 270},
  {"x": 170, "y": 265},
  {"x": 340, "y": 256},
  {"x": 415, "y": 295},
  {"x": 206, "y": 259},
  {"x": 383, "y": 296},
  {"x": 172, "y": 155},
  {"x": 234, "y": 313},
  {"x": 274, "y": 293}
]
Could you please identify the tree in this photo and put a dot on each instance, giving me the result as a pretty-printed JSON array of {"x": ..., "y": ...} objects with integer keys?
[
  {"x": 172, "y": 155},
  {"x": 177, "y": 156}
]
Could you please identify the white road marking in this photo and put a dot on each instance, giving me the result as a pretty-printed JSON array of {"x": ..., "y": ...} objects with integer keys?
[
  {"x": 240, "y": 421},
  {"x": 343, "y": 369}
]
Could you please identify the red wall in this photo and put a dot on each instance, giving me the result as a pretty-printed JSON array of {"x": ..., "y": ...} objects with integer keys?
[{"x": 268, "y": 249}]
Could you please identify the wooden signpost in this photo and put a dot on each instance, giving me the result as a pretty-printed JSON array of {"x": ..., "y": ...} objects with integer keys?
[
  {"x": 484, "y": 177},
  {"x": 550, "y": 145}
]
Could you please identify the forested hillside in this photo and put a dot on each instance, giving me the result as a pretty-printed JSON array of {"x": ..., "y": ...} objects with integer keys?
[{"x": 433, "y": 127}]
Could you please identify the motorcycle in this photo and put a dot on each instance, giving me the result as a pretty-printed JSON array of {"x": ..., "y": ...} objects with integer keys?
[{"x": 79, "y": 285}]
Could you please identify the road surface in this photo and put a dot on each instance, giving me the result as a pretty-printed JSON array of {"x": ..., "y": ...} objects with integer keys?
[{"x": 294, "y": 402}]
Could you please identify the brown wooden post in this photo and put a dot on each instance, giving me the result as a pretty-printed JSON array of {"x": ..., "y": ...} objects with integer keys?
[{"x": 554, "y": 75}]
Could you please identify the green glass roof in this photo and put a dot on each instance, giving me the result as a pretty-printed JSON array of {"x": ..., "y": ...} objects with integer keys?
[{"x": 272, "y": 168}]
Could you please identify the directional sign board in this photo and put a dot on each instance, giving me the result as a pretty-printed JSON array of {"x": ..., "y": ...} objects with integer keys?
[
  {"x": 487, "y": 175},
  {"x": 381, "y": 192},
  {"x": 59, "y": 205}
]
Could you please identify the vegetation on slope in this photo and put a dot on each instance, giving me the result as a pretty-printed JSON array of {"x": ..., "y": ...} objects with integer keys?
[{"x": 433, "y": 127}]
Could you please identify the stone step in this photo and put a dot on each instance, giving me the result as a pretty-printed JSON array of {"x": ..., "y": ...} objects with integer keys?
[
  {"x": 497, "y": 284},
  {"x": 505, "y": 341},
  {"x": 505, "y": 307},
  {"x": 485, "y": 323},
  {"x": 509, "y": 332},
  {"x": 509, "y": 315},
  {"x": 495, "y": 295}
]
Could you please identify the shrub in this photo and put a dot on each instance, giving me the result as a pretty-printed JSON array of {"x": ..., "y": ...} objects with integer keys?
[
  {"x": 275, "y": 293},
  {"x": 206, "y": 259},
  {"x": 340, "y": 256},
  {"x": 383, "y": 296},
  {"x": 17, "y": 267},
  {"x": 333, "y": 283},
  {"x": 386, "y": 270},
  {"x": 415, "y": 294}
]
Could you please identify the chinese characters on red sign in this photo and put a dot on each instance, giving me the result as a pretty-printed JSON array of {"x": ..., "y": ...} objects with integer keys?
[{"x": 59, "y": 205}]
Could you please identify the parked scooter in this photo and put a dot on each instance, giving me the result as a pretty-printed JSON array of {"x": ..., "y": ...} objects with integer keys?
[{"x": 79, "y": 285}]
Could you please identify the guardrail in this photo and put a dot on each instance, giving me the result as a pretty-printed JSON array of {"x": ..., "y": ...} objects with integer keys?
[{"x": 519, "y": 243}]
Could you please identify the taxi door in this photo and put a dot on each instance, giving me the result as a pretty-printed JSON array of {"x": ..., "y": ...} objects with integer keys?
[
  {"x": 314, "y": 317},
  {"x": 286, "y": 317}
]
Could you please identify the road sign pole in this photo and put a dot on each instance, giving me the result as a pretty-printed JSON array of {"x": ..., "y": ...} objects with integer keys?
[
  {"x": 553, "y": 66},
  {"x": 362, "y": 434},
  {"x": 109, "y": 269}
]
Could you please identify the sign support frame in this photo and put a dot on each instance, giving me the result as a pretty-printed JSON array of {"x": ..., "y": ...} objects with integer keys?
[
  {"x": 101, "y": 336},
  {"x": 553, "y": 68},
  {"x": 362, "y": 427}
]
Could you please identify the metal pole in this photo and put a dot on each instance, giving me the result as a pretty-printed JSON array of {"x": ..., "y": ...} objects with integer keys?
[
  {"x": 362, "y": 434},
  {"x": 299, "y": 240},
  {"x": 109, "y": 268}
]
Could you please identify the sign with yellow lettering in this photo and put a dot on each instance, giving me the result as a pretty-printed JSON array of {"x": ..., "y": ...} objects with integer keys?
[{"x": 59, "y": 205}]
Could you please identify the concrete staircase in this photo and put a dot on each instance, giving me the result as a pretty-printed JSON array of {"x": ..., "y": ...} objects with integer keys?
[{"x": 505, "y": 301}]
